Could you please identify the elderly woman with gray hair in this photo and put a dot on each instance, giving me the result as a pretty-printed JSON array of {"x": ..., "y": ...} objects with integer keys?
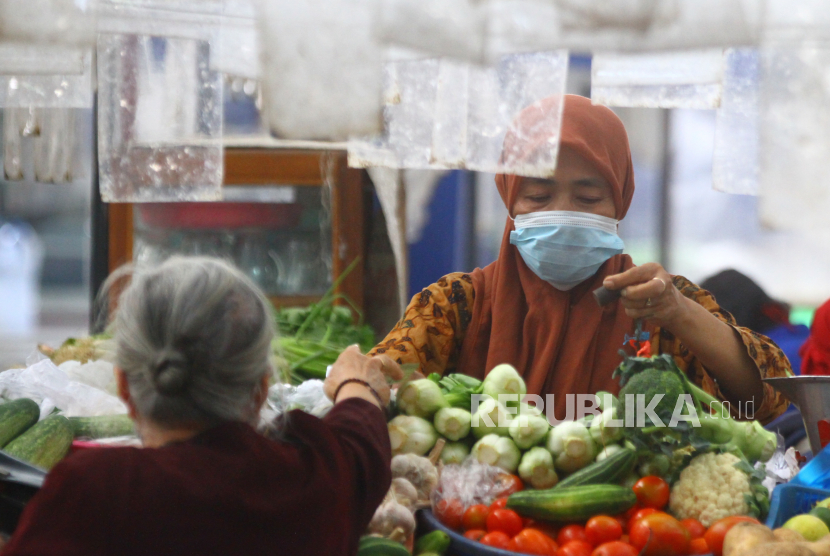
[{"x": 193, "y": 342}]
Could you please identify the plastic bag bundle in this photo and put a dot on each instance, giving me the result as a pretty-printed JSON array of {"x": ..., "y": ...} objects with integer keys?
[
  {"x": 51, "y": 387},
  {"x": 469, "y": 483},
  {"x": 308, "y": 397}
]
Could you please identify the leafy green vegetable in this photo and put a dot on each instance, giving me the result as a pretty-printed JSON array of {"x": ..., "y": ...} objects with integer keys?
[
  {"x": 311, "y": 338},
  {"x": 660, "y": 375},
  {"x": 459, "y": 389}
]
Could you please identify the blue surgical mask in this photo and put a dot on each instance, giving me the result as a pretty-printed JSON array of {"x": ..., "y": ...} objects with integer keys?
[{"x": 565, "y": 248}]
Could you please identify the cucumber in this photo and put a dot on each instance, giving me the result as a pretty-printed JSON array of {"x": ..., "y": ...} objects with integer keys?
[
  {"x": 436, "y": 542},
  {"x": 103, "y": 426},
  {"x": 378, "y": 546},
  {"x": 574, "y": 503},
  {"x": 611, "y": 470},
  {"x": 44, "y": 444},
  {"x": 15, "y": 417}
]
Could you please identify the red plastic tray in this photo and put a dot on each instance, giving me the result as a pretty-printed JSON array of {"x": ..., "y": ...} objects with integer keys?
[{"x": 203, "y": 216}]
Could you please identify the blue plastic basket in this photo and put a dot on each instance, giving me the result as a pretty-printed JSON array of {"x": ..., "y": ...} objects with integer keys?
[
  {"x": 789, "y": 500},
  {"x": 816, "y": 474}
]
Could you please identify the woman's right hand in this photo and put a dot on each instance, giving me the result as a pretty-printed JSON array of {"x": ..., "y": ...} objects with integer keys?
[{"x": 354, "y": 365}]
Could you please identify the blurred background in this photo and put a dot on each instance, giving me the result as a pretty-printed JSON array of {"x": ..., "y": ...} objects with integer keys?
[{"x": 456, "y": 224}]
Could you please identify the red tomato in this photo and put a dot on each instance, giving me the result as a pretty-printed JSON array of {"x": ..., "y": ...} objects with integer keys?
[
  {"x": 545, "y": 527},
  {"x": 695, "y": 528},
  {"x": 631, "y": 511},
  {"x": 698, "y": 546},
  {"x": 531, "y": 541},
  {"x": 498, "y": 504},
  {"x": 506, "y": 521},
  {"x": 449, "y": 511},
  {"x": 507, "y": 484},
  {"x": 575, "y": 548},
  {"x": 638, "y": 515},
  {"x": 659, "y": 534},
  {"x": 714, "y": 535},
  {"x": 615, "y": 548},
  {"x": 624, "y": 539},
  {"x": 496, "y": 539},
  {"x": 475, "y": 534},
  {"x": 622, "y": 520},
  {"x": 475, "y": 517},
  {"x": 571, "y": 533},
  {"x": 652, "y": 492},
  {"x": 602, "y": 529}
]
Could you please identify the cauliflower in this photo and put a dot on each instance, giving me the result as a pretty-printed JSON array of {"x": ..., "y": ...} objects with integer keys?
[{"x": 712, "y": 487}]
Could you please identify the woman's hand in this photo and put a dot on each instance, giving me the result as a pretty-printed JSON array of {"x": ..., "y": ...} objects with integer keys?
[
  {"x": 648, "y": 293},
  {"x": 354, "y": 365},
  {"x": 390, "y": 368}
]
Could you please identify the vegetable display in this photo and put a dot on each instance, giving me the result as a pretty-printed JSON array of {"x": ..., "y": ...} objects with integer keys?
[{"x": 608, "y": 484}]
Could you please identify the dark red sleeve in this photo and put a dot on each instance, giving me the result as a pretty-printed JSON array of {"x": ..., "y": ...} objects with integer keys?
[
  {"x": 360, "y": 428},
  {"x": 65, "y": 517}
]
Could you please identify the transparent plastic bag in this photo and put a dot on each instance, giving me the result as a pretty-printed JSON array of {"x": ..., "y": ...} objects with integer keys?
[
  {"x": 781, "y": 468},
  {"x": 52, "y": 387},
  {"x": 308, "y": 397},
  {"x": 470, "y": 483},
  {"x": 99, "y": 374}
]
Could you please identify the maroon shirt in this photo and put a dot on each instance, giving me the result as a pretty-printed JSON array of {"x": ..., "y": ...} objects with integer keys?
[{"x": 227, "y": 491}]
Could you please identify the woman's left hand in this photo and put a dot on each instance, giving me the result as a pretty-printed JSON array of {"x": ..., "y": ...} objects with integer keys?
[{"x": 648, "y": 293}]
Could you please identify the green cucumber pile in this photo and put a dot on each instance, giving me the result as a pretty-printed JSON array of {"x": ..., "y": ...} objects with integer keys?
[{"x": 43, "y": 443}]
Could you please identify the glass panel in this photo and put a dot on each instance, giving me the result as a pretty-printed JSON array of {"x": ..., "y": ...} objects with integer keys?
[{"x": 282, "y": 245}]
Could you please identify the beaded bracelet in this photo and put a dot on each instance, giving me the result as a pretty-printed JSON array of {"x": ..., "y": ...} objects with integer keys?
[{"x": 358, "y": 381}]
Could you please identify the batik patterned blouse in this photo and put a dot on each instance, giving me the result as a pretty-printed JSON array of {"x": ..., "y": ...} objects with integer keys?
[{"x": 434, "y": 325}]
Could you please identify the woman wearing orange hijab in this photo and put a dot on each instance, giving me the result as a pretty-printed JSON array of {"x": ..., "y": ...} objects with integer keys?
[{"x": 533, "y": 306}]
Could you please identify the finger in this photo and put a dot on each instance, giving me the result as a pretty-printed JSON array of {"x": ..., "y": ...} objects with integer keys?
[
  {"x": 628, "y": 303},
  {"x": 389, "y": 367},
  {"x": 631, "y": 276},
  {"x": 647, "y": 290}
]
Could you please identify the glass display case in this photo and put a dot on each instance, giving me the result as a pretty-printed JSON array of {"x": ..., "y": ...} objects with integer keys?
[{"x": 293, "y": 220}]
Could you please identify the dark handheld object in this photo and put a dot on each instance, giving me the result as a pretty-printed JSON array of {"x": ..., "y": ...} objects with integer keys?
[
  {"x": 604, "y": 296},
  {"x": 19, "y": 482}
]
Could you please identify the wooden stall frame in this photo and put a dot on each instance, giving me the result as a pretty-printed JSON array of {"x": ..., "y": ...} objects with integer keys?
[{"x": 269, "y": 167}]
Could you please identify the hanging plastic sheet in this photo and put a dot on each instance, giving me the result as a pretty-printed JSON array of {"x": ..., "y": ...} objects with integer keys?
[
  {"x": 736, "y": 161},
  {"x": 43, "y": 59},
  {"x": 321, "y": 68},
  {"x": 41, "y": 107},
  {"x": 159, "y": 120},
  {"x": 390, "y": 190},
  {"x": 795, "y": 135},
  {"x": 443, "y": 114},
  {"x": 189, "y": 19},
  {"x": 684, "y": 79},
  {"x": 229, "y": 25}
]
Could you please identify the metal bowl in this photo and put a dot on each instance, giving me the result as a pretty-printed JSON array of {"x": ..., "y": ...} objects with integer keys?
[{"x": 812, "y": 396}]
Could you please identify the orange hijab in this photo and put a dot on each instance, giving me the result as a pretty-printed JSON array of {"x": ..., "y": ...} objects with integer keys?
[{"x": 561, "y": 342}]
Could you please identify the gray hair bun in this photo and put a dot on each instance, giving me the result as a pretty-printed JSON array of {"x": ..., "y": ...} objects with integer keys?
[{"x": 171, "y": 373}]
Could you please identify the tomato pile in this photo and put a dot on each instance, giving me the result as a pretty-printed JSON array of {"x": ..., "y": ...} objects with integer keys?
[{"x": 646, "y": 529}]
